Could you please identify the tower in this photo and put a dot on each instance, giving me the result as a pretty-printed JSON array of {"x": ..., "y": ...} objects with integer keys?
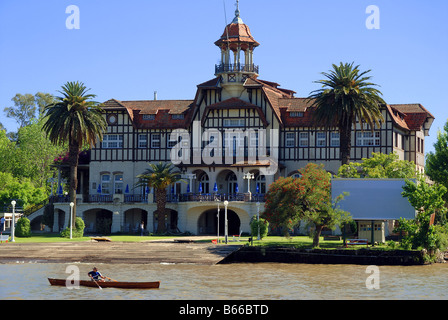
[{"x": 234, "y": 42}]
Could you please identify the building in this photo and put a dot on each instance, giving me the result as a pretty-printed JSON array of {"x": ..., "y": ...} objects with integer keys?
[{"x": 262, "y": 126}]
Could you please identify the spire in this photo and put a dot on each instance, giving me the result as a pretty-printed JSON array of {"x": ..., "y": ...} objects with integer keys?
[{"x": 237, "y": 19}]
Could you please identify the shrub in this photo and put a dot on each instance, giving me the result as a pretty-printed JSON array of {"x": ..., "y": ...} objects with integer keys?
[
  {"x": 78, "y": 229},
  {"x": 264, "y": 226},
  {"x": 23, "y": 228}
]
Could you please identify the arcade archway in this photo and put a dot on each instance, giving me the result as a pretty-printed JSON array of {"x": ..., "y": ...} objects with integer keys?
[{"x": 208, "y": 222}]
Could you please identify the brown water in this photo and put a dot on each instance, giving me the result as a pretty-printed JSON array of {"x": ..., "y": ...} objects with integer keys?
[{"x": 230, "y": 282}]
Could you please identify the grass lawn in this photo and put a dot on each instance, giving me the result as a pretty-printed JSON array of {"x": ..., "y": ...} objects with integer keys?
[{"x": 296, "y": 241}]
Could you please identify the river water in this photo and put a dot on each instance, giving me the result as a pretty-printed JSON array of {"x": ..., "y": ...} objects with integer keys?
[{"x": 28, "y": 281}]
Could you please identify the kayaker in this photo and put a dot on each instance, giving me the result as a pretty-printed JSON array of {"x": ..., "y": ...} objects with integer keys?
[{"x": 96, "y": 275}]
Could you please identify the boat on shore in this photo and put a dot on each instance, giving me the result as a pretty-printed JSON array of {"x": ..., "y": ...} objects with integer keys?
[{"x": 109, "y": 284}]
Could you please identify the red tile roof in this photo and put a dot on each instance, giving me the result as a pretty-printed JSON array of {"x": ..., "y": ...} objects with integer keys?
[
  {"x": 414, "y": 115},
  {"x": 236, "y": 32}
]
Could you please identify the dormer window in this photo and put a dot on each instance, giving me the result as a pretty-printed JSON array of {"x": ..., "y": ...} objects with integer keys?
[
  {"x": 178, "y": 117},
  {"x": 296, "y": 114},
  {"x": 149, "y": 117}
]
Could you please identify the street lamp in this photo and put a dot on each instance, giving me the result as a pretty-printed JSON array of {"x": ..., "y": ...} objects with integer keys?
[
  {"x": 226, "y": 203},
  {"x": 71, "y": 218},
  {"x": 258, "y": 219},
  {"x": 248, "y": 176},
  {"x": 13, "y": 227}
]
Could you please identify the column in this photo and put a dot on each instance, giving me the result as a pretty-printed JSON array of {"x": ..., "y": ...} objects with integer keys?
[
  {"x": 55, "y": 220},
  {"x": 116, "y": 221},
  {"x": 150, "y": 219},
  {"x": 238, "y": 57}
]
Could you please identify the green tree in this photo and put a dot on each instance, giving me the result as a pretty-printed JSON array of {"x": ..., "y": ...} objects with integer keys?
[
  {"x": 291, "y": 200},
  {"x": 428, "y": 201},
  {"x": 159, "y": 176},
  {"x": 379, "y": 166},
  {"x": 437, "y": 162},
  {"x": 74, "y": 120},
  {"x": 346, "y": 96},
  {"x": 28, "y": 107},
  {"x": 34, "y": 154},
  {"x": 22, "y": 190}
]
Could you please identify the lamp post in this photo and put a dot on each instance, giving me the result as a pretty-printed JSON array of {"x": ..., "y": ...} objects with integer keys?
[
  {"x": 13, "y": 226},
  {"x": 226, "y": 203},
  {"x": 258, "y": 219},
  {"x": 71, "y": 219},
  {"x": 248, "y": 176}
]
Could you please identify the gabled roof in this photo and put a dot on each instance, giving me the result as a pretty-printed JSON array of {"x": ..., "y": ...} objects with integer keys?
[
  {"x": 162, "y": 109},
  {"x": 410, "y": 116},
  {"x": 154, "y": 106},
  {"x": 212, "y": 84},
  {"x": 235, "y": 103}
]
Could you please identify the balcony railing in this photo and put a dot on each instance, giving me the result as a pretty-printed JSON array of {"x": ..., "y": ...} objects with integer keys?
[
  {"x": 236, "y": 67},
  {"x": 170, "y": 198}
]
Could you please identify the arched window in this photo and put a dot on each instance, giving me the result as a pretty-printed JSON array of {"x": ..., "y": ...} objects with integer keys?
[
  {"x": 232, "y": 183},
  {"x": 260, "y": 184},
  {"x": 204, "y": 183}
]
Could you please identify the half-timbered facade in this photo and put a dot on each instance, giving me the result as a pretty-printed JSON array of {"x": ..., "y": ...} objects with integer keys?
[{"x": 249, "y": 113}]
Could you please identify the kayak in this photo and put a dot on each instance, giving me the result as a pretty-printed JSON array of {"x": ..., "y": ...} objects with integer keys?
[{"x": 109, "y": 284}]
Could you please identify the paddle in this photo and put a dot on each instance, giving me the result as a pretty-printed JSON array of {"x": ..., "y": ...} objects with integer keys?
[
  {"x": 111, "y": 279},
  {"x": 97, "y": 284}
]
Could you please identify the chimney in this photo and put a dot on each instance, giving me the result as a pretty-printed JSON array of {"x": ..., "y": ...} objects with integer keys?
[{"x": 155, "y": 95}]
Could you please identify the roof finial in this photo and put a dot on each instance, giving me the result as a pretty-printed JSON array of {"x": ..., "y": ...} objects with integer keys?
[{"x": 237, "y": 18}]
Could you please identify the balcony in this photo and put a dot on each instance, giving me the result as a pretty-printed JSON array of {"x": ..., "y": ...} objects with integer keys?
[
  {"x": 170, "y": 198},
  {"x": 237, "y": 67}
]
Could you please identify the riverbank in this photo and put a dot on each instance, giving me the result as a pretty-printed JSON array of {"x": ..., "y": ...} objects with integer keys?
[
  {"x": 364, "y": 256},
  {"x": 198, "y": 250},
  {"x": 185, "y": 252}
]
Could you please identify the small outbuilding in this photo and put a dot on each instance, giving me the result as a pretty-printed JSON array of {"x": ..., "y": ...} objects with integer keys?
[{"x": 375, "y": 204}]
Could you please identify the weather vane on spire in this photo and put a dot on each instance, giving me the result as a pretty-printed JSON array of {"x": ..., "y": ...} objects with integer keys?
[{"x": 237, "y": 12}]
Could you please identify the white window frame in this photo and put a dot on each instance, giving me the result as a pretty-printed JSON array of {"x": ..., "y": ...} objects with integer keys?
[
  {"x": 321, "y": 139},
  {"x": 335, "y": 140},
  {"x": 290, "y": 139},
  {"x": 142, "y": 141},
  {"x": 368, "y": 139},
  {"x": 105, "y": 183},
  {"x": 156, "y": 142},
  {"x": 112, "y": 141},
  {"x": 304, "y": 139},
  {"x": 118, "y": 183}
]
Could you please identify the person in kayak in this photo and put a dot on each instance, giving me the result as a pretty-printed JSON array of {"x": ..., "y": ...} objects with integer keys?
[{"x": 95, "y": 275}]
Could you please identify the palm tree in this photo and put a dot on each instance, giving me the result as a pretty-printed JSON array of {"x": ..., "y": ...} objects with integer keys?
[
  {"x": 159, "y": 176},
  {"x": 347, "y": 95},
  {"x": 77, "y": 121}
]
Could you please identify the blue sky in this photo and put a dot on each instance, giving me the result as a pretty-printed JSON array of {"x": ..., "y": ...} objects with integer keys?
[{"x": 129, "y": 49}]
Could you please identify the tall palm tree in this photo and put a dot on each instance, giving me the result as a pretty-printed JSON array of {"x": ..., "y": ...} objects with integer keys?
[
  {"x": 159, "y": 176},
  {"x": 77, "y": 121},
  {"x": 347, "y": 95}
]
